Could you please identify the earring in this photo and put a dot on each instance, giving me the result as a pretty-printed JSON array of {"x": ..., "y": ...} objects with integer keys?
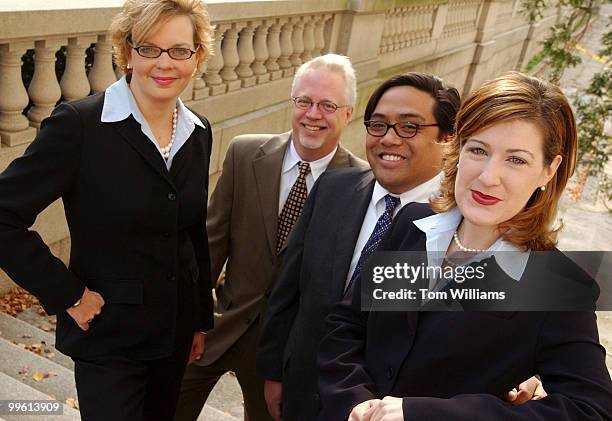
[
  {"x": 543, "y": 187},
  {"x": 128, "y": 66}
]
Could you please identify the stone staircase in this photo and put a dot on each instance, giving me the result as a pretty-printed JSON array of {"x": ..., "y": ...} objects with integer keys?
[{"x": 32, "y": 369}]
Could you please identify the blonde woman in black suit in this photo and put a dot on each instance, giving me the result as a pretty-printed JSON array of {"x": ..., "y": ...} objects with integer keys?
[{"x": 131, "y": 167}]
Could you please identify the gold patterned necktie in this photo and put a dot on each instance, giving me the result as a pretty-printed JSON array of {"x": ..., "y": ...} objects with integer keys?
[{"x": 293, "y": 206}]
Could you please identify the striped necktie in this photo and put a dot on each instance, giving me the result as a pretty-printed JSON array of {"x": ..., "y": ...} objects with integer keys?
[{"x": 380, "y": 229}]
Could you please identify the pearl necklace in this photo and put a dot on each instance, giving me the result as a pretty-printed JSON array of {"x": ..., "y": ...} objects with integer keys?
[
  {"x": 166, "y": 149},
  {"x": 462, "y": 247}
]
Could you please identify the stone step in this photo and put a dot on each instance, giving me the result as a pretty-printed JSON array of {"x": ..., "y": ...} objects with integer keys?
[
  {"x": 20, "y": 332},
  {"x": 15, "y": 390},
  {"x": 224, "y": 403},
  {"x": 21, "y": 366},
  {"x": 212, "y": 414}
]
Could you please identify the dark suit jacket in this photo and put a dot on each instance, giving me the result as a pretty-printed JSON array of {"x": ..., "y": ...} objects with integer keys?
[
  {"x": 311, "y": 281},
  {"x": 138, "y": 231},
  {"x": 458, "y": 365},
  {"x": 242, "y": 224}
]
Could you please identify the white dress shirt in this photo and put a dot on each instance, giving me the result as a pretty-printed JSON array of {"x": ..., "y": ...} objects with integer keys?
[
  {"x": 376, "y": 208},
  {"x": 119, "y": 104},
  {"x": 439, "y": 230},
  {"x": 291, "y": 171}
]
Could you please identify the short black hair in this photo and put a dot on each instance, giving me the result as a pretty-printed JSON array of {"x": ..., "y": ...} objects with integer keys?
[{"x": 447, "y": 98}]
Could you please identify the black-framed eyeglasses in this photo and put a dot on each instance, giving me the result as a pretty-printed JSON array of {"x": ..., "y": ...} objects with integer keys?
[
  {"x": 327, "y": 107},
  {"x": 176, "y": 53},
  {"x": 405, "y": 129}
]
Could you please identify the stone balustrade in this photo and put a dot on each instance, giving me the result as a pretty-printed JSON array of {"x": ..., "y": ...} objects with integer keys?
[
  {"x": 248, "y": 52},
  {"x": 245, "y": 86}
]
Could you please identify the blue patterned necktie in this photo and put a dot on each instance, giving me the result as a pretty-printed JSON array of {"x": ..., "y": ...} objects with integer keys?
[{"x": 380, "y": 229}]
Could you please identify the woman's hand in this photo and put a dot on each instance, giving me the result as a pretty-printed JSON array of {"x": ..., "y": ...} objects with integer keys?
[
  {"x": 359, "y": 410},
  {"x": 273, "y": 392},
  {"x": 197, "y": 347},
  {"x": 531, "y": 389},
  {"x": 90, "y": 305},
  {"x": 388, "y": 409}
]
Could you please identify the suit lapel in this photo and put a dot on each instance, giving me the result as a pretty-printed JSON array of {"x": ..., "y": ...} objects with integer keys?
[
  {"x": 348, "y": 231},
  {"x": 267, "y": 169},
  {"x": 340, "y": 159},
  {"x": 181, "y": 163},
  {"x": 131, "y": 133}
]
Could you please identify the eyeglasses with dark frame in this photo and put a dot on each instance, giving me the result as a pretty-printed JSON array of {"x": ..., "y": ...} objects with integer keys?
[
  {"x": 404, "y": 130},
  {"x": 327, "y": 107},
  {"x": 176, "y": 53}
]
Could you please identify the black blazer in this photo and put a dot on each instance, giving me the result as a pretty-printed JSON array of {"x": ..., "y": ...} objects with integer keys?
[
  {"x": 138, "y": 234},
  {"x": 458, "y": 365},
  {"x": 311, "y": 280}
]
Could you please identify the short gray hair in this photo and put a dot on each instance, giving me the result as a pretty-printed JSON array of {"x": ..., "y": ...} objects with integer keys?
[{"x": 334, "y": 63}]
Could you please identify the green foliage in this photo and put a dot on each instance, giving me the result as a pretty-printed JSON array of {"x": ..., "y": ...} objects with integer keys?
[
  {"x": 593, "y": 105},
  {"x": 533, "y": 62}
]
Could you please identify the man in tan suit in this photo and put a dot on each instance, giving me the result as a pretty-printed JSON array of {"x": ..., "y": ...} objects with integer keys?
[{"x": 259, "y": 195}]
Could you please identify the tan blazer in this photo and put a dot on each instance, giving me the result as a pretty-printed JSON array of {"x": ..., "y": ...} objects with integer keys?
[{"x": 241, "y": 224}]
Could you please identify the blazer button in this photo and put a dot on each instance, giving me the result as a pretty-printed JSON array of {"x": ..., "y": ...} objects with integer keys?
[
  {"x": 171, "y": 277},
  {"x": 171, "y": 197},
  {"x": 390, "y": 373}
]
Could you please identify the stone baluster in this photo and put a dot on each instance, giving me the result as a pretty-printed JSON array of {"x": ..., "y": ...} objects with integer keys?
[
  {"x": 74, "y": 82},
  {"x": 261, "y": 52},
  {"x": 309, "y": 42},
  {"x": 14, "y": 126},
  {"x": 384, "y": 39},
  {"x": 44, "y": 89},
  {"x": 417, "y": 12},
  {"x": 246, "y": 55},
  {"x": 319, "y": 34},
  {"x": 200, "y": 90},
  {"x": 229, "y": 49},
  {"x": 102, "y": 75},
  {"x": 392, "y": 29},
  {"x": 297, "y": 39},
  {"x": 274, "y": 49},
  {"x": 286, "y": 49},
  {"x": 416, "y": 25},
  {"x": 397, "y": 28},
  {"x": 215, "y": 64},
  {"x": 404, "y": 29},
  {"x": 427, "y": 22}
]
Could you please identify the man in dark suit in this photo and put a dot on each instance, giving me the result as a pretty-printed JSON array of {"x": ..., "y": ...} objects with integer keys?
[
  {"x": 344, "y": 217},
  {"x": 258, "y": 197}
]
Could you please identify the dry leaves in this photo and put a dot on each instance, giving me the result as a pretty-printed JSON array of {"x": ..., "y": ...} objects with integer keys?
[
  {"x": 39, "y": 376},
  {"x": 17, "y": 300},
  {"x": 74, "y": 403}
]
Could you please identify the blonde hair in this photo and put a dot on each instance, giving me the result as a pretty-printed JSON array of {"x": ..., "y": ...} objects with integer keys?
[
  {"x": 516, "y": 96},
  {"x": 140, "y": 18}
]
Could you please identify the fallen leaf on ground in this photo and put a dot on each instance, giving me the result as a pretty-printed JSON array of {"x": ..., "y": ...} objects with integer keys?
[{"x": 37, "y": 376}]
